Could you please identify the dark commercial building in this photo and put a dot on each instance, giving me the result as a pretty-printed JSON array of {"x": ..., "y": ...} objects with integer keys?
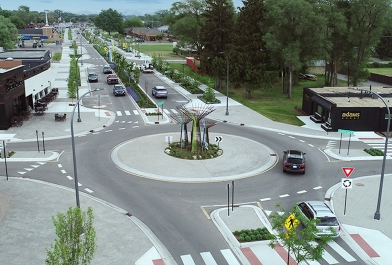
[
  {"x": 343, "y": 108},
  {"x": 20, "y": 71}
]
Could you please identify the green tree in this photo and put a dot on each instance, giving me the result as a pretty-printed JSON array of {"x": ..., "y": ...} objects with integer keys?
[
  {"x": 185, "y": 21},
  {"x": 367, "y": 19},
  {"x": 8, "y": 33},
  {"x": 133, "y": 23},
  {"x": 110, "y": 20},
  {"x": 216, "y": 36},
  {"x": 17, "y": 22},
  {"x": 300, "y": 240},
  {"x": 291, "y": 38},
  {"x": 160, "y": 36},
  {"x": 248, "y": 49},
  {"x": 76, "y": 238}
]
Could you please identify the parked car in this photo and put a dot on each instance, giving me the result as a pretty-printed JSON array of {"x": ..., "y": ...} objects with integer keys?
[
  {"x": 328, "y": 222},
  {"x": 107, "y": 69},
  {"x": 294, "y": 161},
  {"x": 308, "y": 77},
  {"x": 159, "y": 92},
  {"x": 92, "y": 77},
  {"x": 119, "y": 90}
]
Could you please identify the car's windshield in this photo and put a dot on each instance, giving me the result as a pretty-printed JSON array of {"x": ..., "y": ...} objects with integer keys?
[{"x": 328, "y": 221}]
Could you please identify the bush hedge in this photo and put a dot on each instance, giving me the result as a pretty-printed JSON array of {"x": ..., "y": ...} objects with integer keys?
[
  {"x": 249, "y": 235},
  {"x": 374, "y": 152}
]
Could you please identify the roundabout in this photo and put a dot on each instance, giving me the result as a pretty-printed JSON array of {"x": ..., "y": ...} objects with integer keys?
[{"x": 241, "y": 158}]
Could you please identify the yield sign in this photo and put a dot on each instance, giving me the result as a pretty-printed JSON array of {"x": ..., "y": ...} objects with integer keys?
[{"x": 347, "y": 171}]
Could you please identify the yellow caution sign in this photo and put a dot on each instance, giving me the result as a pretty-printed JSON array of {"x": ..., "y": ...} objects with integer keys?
[
  {"x": 291, "y": 222},
  {"x": 124, "y": 45},
  {"x": 105, "y": 48}
]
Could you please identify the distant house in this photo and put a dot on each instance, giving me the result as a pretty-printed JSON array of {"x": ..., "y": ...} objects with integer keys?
[{"x": 142, "y": 33}]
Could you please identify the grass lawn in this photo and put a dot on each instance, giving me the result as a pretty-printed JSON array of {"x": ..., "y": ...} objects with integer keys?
[
  {"x": 381, "y": 71},
  {"x": 164, "y": 49}
]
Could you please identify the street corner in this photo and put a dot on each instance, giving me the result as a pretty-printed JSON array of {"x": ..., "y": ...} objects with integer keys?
[{"x": 32, "y": 156}]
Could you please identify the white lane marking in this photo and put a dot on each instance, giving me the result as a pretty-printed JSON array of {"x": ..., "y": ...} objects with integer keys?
[
  {"x": 167, "y": 112},
  {"x": 317, "y": 188},
  {"x": 136, "y": 122},
  {"x": 265, "y": 199},
  {"x": 28, "y": 169},
  {"x": 187, "y": 260},
  {"x": 281, "y": 133},
  {"x": 291, "y": 137},
  {"x": 229, "y": 256},
  {"x": 21, "y": 172},
  {"x": 41, "y": 163},
  {"x": 127, "y": 112},
  {"x": 135, "y": 112},
  {"x": 174, "y": 111},
  {"x": 302, "y": 141},
  {"x": 129, "y": 122},
  {"x": 63, "y": 171},
  {"x": 301, "y": 191},
  {"x": 341, "y": 251},
  {"x": 88, "y": 190},
  {"x": 284, "y": 195},
  {"x": 135, "y": 127},
  {"x": 208, "y": 258},
  {"x": 311, "y": 145},
  {"x": 122, "y": 129},
  {"x": 79, "y": 184},
  {"x": 60, "y": 165},
  {"x": 70, "y": 178},
  {"x": 34, "y": 166},
  {"x": 108, "y": 131},
  {"x": 268, "y": 212},
  {"x": 119, "y": 113},
  {"x": 123, "y": 122},
  {"x": 280, "y": 213}
]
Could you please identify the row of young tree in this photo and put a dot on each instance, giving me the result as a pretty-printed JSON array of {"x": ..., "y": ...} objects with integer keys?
[{"x": 269, "y": 36}]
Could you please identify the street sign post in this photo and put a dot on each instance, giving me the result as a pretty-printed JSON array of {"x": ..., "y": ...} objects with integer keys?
[
  {"x": 349, "y": 139},
  {"x": 346, "y": 184},
  {"x": 347, "y": 171},
  {"x": 218, "y": 139}
]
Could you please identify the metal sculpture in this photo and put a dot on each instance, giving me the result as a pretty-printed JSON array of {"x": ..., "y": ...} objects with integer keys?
[
  {"x": 195, "y": 113},
  {"x": 182, "y": 119}
]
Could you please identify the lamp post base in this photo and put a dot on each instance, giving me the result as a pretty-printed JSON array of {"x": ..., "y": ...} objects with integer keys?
[
  {"x": 227, "y": 113},
  {"x": 377, "y": 216},
  {"x": 79, "y": 120}
]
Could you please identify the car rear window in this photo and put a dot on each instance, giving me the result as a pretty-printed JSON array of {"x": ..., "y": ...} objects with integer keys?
[
  {"x": 161, "y": 89},
  {"x": 293, "y": 160},
  {"x": 328, "y": 221}
]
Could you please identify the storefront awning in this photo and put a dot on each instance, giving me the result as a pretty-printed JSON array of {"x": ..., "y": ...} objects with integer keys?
[{"x": 323, "y": 102}]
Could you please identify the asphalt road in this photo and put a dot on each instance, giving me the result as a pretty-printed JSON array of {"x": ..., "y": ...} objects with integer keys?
[{"x": 173, "y": 210}]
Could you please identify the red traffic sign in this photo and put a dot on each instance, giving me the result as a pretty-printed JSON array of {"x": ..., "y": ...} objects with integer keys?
[{"x": 347, "y": 171}]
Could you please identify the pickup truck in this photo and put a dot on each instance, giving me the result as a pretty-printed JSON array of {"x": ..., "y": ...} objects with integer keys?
[{"x": 112, "y": 79}]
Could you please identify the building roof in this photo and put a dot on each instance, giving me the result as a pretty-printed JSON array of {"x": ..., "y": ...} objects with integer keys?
[
  {"x": 23, "y": 54},
  {"x": 344, "y": 97},
  {"x": 32, "y": 32}
]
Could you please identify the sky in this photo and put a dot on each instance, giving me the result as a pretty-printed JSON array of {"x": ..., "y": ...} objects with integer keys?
[{"x": 125, "y": 7}]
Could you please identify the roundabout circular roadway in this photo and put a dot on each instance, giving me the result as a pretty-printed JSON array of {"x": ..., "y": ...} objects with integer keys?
[{"x": 145, "y": 157}]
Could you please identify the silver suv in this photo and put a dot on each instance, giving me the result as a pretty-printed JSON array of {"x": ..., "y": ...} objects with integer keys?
[{"x": 321, "y": 211}]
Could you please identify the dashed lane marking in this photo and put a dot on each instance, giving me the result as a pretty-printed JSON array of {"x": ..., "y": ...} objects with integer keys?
[
  {"x": 70, "y": 178},
  {"x": 88, "y": 190},
  {"x": 63, "y": 171}
]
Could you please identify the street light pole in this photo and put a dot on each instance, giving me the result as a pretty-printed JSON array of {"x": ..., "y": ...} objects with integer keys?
[
  {"x": 81, "y": 47},
  {"x": 73, "y": 148},
  {"x": 77, "y": 86},
  {"x": 227, "y": 83},
  {"x": 377, "y": 214}
]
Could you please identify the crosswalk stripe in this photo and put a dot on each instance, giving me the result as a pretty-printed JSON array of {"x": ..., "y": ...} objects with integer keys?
[
  {"x": 119, "y": 113},
  {"x": 208, "y": 258},
  {"x": 174, "y": 111},
  {"x": 229, "y": 256},
  {"x": 127, "y": 112},
  {"x": 135, "y": 112},
  {"x": 187, "y": 260},
  {"x": 326, "y": 256},
  {"x": 341, "y": 251},
  {"x": 166, "y": 111}
]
